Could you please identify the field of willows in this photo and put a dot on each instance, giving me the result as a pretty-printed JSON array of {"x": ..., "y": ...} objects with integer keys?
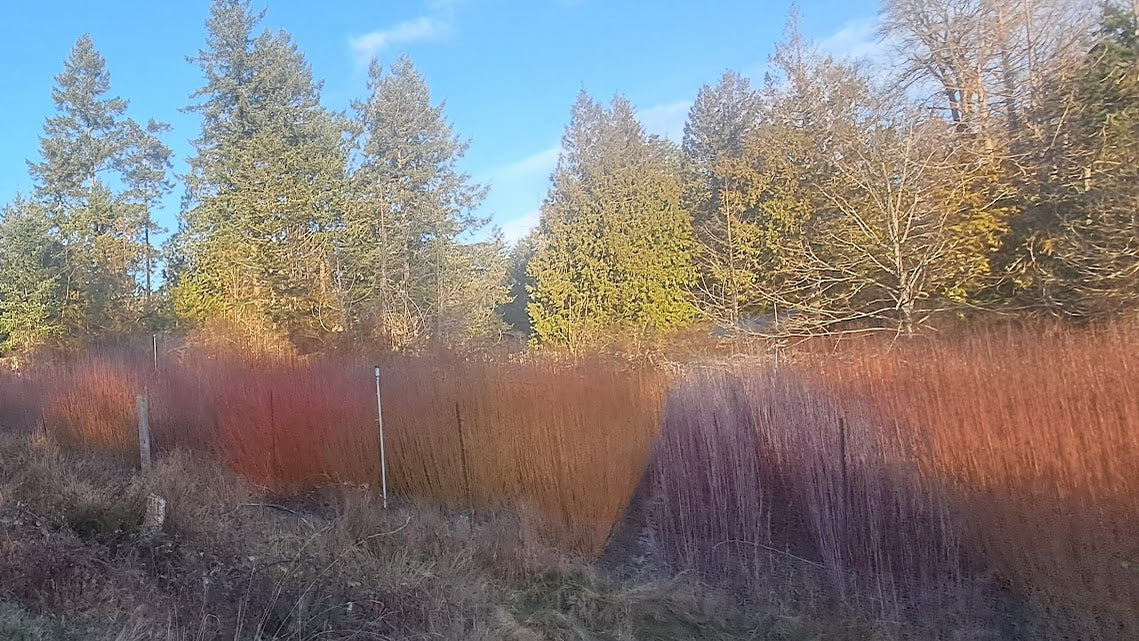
[{"x": 993, "y": 470}]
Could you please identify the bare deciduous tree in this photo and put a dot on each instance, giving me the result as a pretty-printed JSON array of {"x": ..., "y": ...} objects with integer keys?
[
  {"x": 985, "y": 59},
  {"x": 900, "y": 232}
]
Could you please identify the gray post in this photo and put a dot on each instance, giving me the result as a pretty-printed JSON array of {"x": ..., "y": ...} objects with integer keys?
[
  {"x": 383, "y": 456},
  {"x": 143, "y": 432},
  {"x": 463, "y": 453}
]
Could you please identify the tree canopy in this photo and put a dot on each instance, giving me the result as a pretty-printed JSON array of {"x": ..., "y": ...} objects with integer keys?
[{"x": 992, "y": 166}]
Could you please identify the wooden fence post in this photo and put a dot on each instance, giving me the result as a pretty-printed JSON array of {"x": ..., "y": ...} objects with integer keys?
[{"x": 143, "y": 408}]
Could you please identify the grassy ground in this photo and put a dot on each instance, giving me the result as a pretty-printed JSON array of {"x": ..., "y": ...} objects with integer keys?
[{"x": 75, "y": 563}]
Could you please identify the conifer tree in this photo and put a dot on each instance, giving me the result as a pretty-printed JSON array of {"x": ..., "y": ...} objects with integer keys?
[
  {"x": 30, "y": 301},
  {"x": 417, "y": 273},
  {"x": 515, "y": 311},
  {"x": 723, "y": 195},
  {"x": 99, "y": 176},
  {"x": 265, "y": 188},
  {"x": 615, "y": 247},
  {"x": 1080, "y": 250}
]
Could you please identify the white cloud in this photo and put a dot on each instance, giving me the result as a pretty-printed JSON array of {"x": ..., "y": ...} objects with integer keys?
[
  {"x": 515, "y": 229},
  {"x": 517, "y": 189},
  {"x": 520, "y": 186},
  {"x": 541, "y": 163},
  {"x": 417, "y": 30},
  {"x": 857, "y": 39},
  {"x": 666, "y": 120}
]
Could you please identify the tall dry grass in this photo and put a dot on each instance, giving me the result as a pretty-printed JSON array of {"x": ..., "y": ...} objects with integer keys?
[
  {"x": 1033, "y": 437},
  {"x": 886, "y": 475},
  {"x": 770, "y": 482},
  {"x": 882, "y": 476},
  {"x": 564, "y": 442}
]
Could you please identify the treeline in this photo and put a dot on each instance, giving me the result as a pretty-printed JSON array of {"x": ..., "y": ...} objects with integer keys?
[{"x": 991, "y": 166}]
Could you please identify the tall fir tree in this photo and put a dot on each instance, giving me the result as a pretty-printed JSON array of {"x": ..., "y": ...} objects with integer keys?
[
  {"x": 99, "y": 177},
  {"x": 264, "y": 191},
  {"x": 416, "y": 272},
  {"x": 615, "y": 247}
]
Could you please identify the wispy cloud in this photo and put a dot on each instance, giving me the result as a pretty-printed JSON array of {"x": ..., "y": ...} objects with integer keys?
[
  {"x": 857, "y": 39},
  {"x": 515, "y": 229},
  {"x": 423, "y": 28},
  {"x": 536, "y": 164},
  {"x": 517, "y": 189},
  {"x": 666, "y": 120}
]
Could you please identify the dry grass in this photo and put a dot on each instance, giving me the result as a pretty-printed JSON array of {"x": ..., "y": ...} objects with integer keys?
[
  {"x": 75, "y": 564},
  {"x": 789, "y": 494},
  {"x": 91, "y": 403}
]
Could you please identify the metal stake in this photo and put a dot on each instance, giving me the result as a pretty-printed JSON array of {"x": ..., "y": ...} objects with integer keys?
[{"x": 383, "y": 456}]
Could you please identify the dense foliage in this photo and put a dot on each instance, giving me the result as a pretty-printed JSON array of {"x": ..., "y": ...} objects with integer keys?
[{"x": 992, "y": 166}]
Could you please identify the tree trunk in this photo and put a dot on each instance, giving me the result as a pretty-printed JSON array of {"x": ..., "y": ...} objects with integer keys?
[
  {"x": 438, "y": 290},
  {"x": 733, "y": 284},
  {"x": 383, "y": 284},
  {"x": 906, "y": 322}
]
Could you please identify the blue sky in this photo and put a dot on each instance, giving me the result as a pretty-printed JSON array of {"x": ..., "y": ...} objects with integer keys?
[{"x": 508, "y": 70}]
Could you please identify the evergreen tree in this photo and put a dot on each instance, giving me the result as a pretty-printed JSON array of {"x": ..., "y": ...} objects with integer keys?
[
  {"x": 265, "y": 189},
  {"x": 723, "y": 196},
  {"x": 30, "y": 298},
  {"x": 722, "y": 120},
  {"x": 99, "y": 177},
  {"x": 416, "y": 275},
  {"x": 147, "y": 182},
  {"x": 515, "y": 311},
  {"x": 1080, "y": 254},
  {"x": 615, "y": 246}
]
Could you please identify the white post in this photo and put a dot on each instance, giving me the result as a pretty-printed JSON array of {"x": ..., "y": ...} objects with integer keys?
[
  {"x": 155, "y": 512},
  {"x": 383, "y": 456},
  {"x": 143, "y": 433}
]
